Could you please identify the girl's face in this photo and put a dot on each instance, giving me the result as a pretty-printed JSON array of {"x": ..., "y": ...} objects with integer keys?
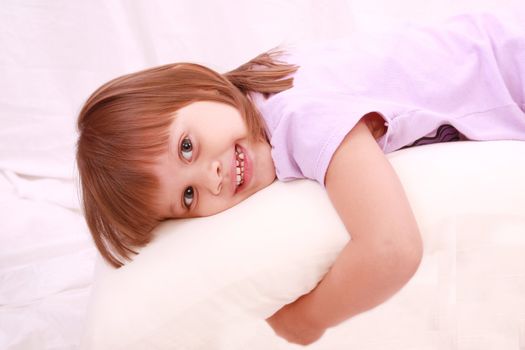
[{"x": 212, "y": 162}]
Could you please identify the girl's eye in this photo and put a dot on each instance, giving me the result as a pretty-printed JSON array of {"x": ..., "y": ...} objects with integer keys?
[
  {"x": 188, "y": 196},
  {"x": 186, "y": 148}
]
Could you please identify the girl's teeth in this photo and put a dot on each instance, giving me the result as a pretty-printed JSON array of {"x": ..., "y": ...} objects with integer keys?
[{"x": 239, "y": 162}]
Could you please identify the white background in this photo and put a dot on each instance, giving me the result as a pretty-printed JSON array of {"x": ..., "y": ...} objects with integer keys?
[{"x": 53, "y": 54}]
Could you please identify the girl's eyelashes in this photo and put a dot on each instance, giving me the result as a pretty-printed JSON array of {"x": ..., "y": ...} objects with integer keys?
[
  {"x": 188, "y": 197},
  {"x": 186, "y": 148},
  {"x": 186, "y": 151}
]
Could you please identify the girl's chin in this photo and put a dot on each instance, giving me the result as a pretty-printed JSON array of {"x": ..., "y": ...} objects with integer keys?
[{"x": 267, "y": 181}]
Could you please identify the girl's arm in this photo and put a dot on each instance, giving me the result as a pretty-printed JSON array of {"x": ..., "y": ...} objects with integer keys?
[{"x": 385, "y": 249}]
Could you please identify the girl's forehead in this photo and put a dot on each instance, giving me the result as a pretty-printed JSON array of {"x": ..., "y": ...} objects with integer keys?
[
  {"x": 206, "y": 106},
  {"x": 205, "y": 112},
  {"x": 205, "y": 115}
]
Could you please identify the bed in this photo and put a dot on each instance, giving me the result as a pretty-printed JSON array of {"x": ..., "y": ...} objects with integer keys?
[{"x": 469, "y": 292}]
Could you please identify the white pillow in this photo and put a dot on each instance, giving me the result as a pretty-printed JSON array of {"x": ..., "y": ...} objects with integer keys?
[
  {"x": 207, "y": 283},
  {"x": 201, "y": 276}
]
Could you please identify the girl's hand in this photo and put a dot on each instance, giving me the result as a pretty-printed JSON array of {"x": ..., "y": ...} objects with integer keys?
[{"x": 288, "y": 324}]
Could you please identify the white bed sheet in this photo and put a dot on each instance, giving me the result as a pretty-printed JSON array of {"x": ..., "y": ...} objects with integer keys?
[{"x": 54, "y": 54}]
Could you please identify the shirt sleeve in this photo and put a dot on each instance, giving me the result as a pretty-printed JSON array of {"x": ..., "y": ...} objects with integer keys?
[{"x": 310, "y": 129}]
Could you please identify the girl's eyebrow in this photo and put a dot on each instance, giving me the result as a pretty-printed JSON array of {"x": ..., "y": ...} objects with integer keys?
[
  {"x": 173, "y": 210},
  {"x": 174, "y": 151}
]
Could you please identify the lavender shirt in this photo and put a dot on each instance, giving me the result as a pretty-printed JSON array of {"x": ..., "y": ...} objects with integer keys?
[{"x": 462, "y": 80}]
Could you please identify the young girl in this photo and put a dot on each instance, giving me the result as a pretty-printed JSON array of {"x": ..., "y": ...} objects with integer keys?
[{"x": 181, "y": 140}]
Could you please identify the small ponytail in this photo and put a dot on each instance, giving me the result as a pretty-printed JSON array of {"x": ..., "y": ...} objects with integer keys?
[{"x": 264, "y": 74}]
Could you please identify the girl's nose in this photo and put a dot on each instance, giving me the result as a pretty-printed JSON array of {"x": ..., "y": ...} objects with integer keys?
[{"x": 214, "y": 177}]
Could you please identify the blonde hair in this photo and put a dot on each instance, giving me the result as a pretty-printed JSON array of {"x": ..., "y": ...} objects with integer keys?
[{"x": 123, "y": 128}]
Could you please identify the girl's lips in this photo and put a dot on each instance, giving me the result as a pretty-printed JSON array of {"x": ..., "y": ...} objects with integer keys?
[
  {"x": 233, "y": 173},
  {"x": 247, "y": 169}
]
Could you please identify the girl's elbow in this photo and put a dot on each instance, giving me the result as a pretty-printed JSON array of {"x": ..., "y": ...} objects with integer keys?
[
  {"x": 410, "y": 254},
  {"x": 404, "y": 256}
]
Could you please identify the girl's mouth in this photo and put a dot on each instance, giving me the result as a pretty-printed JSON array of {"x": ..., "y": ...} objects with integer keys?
[
  {"x": 241, "y": 169},
  {"x": 239, "y": 165}
]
